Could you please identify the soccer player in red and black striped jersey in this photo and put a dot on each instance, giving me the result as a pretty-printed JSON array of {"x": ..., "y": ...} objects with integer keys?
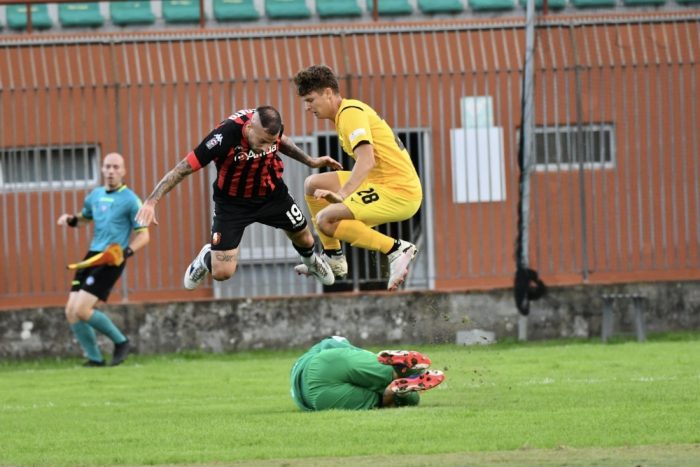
[{"x": 248, "y": 188}]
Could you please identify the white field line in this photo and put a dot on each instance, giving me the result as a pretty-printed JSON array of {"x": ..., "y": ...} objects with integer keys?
[{"x": 547, "y": 381}]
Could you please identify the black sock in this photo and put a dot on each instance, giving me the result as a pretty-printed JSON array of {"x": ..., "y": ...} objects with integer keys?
[
  {"x": 397, "y": 244},
  {"x": 331, "y": 252},
  {"x": 207, "y": 260},
  {"x": 303, "y": 251}
]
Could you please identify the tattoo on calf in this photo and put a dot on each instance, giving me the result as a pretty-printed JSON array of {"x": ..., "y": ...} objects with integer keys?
[{"x": 226, "y": 258}]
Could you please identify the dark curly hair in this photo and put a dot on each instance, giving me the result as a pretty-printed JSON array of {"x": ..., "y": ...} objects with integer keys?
[{"x": 316, "y": 78}]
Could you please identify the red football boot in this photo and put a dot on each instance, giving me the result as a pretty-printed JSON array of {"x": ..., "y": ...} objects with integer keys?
[
  {"x": 404, "y": 360},
  {"x": 422, "y": 382}
]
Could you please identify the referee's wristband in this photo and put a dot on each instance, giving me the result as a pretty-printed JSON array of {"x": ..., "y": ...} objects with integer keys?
[
  {"x": 128, "y": 252},
  {"x": 72, "y": 221}
]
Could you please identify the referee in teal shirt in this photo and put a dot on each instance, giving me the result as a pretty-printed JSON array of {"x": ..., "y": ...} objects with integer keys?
[{"x": 111, "y": 208}]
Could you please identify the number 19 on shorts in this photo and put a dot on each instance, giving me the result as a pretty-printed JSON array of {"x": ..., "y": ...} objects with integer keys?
[{"x": 295, "y": 215}]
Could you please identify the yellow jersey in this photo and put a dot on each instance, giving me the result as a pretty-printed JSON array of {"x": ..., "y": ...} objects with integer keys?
[{"x": 357, "y": 123}]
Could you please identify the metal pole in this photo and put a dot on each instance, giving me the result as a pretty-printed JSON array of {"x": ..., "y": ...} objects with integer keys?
[
  {"x": 581, "y": 163},
  {"x": 527, "y": 129},
  {"x": 30, "y": 27},
  {"x": 526, "y": 155}
]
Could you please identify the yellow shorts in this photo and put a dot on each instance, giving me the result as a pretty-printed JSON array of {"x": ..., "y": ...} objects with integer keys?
[{"x": 376, "y": 204}]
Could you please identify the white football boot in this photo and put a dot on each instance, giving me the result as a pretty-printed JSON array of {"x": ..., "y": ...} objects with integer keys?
[
  {"x": 197, "y": 270},
  {"x": 398, "y": 264},
  {"x": 318, "y": 267},
  {"x": 338, "y": 264}
]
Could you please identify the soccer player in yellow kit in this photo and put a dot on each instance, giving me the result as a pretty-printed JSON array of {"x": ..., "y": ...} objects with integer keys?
[{"x": 382, "y": 187}]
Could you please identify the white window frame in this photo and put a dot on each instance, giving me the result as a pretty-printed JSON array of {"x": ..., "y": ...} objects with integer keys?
[
  {"x": 93, "y": 154},
  {"x": 573, "y": 129}
]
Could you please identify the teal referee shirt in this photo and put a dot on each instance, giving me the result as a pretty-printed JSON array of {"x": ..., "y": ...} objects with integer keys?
[{"x": 113, "y": 214}]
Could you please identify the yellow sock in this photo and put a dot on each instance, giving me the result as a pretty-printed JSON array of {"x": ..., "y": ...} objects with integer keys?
[
  {"x": 315, "y": 205},
  {"x": 359, "y": 234}
]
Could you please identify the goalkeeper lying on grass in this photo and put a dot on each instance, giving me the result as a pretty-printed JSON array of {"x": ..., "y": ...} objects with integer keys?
[
  {"x": 112, "y": 209},
  {"x": 334, "y": 374}
]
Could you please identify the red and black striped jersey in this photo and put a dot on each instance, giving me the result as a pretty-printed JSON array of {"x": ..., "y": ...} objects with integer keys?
[{"x": 240, "y": 171}]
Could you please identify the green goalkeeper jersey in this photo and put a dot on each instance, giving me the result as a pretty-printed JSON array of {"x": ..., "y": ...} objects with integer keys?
[{"x": 334, "y": 342}]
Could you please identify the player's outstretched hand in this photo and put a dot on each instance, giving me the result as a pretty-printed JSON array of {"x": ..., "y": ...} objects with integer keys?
[
  {"x": 147, "y": 214},
  {"x": 326, "y": 161},
  {"x": 330, "y": 196}
]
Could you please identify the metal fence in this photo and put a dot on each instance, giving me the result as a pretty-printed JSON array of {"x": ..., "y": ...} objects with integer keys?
[{"x": 615, "y": 192}]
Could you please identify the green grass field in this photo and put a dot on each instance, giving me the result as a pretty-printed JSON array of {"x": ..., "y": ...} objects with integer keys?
[{"x": 549, "y": 403}]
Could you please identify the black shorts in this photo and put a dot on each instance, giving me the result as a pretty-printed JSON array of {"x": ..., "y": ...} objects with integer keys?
[
  {"x": 97, "y": 280},
  {"x": 231, "y": 217}
]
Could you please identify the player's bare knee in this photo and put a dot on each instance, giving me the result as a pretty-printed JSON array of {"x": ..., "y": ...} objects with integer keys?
[
  {"x": 326, "y": 223},
  {"x": 221, "y": 276},
  {"x": 321, "y": 217},
  {"x": 310, "y": 185},
  {"x": 71, "y": 315},
  {"x": 75, "y": 314},
  {"x": 223, "y": 273},
  {"x": 84, "y": 314},
  {"x": 321, "y": 223},
  {"x": 327, "y": 228}
]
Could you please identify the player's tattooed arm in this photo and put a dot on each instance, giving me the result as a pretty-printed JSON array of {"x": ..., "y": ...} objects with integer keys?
[
  {"x": 147, "y": 212},
  {"x": 288, "y": 148},
  {"x": 170, "y": 180}
]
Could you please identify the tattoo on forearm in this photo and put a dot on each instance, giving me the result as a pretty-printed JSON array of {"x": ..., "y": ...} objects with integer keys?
[
  {"x": 171, "y": 179},
  {"x": 223, "y": 257},
  {"x": 290, "y": 149}
]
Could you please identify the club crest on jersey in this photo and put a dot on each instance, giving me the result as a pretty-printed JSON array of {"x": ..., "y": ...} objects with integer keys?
[
  {"x": 217, "y": 139},
  {"x": 215, "y": 238}
]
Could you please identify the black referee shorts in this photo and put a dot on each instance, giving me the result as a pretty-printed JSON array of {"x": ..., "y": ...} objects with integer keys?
[
  {"x": 231, "y": 217},
  {"x": 97, "y": 280}
]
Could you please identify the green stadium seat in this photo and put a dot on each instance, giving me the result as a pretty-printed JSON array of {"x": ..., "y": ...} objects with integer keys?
[
  {"x": 687, "y": 2},
  {"x": 594, "y": 3},
  {"x": 292, "y": 9},
  {"x": 440, "y": 6},
  {"x": 125, "y": 13},
  {"x": 553, "y": 4},
  {"x": 491, "y": 5},
  {"x": 329, "y": 8},
  {"x": 80, "y": 15},
  {"x": 390, "y": 7},
  {"x": 17, "y": 17},
  {"x": 643, "y": 2},
  {"x": 235, "y": 10},
  {"x": 181, "y": 11}
]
